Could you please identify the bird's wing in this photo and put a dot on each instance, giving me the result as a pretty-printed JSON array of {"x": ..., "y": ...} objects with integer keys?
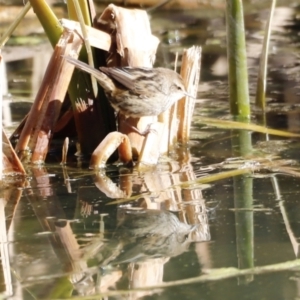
[{"x": 126, "y": 76}]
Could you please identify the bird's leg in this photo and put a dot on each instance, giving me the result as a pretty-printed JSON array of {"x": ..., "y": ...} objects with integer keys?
[
  {"x": 133, "y": 123},
  {"x": 135, "y": 129}
]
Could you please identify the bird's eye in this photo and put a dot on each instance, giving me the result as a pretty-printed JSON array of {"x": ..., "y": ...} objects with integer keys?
[{"x": 177, "y": 87}]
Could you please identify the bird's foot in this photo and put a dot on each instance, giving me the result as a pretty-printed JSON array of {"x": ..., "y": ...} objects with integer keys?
[{"x": 144, "y": 133}]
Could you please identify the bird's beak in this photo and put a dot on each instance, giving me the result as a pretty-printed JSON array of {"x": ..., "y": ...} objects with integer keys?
[{"x": 189, "y": 95}]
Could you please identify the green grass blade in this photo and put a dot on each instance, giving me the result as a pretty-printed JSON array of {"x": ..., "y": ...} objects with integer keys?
[
  {"x": 89, "y": 52},
  {"x": 246, "y": 126}
]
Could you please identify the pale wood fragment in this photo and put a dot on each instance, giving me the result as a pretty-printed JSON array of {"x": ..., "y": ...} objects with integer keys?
[
  {"x": 132, "y": 41},
  {"x": 10, "y": 161},
  {"x": 190, "y": 72},
  {"x": 108, "y": 187},
  {"x": 126, "y": 183},
  {"x": 1, "y": 115},
  {"x": 97, "y": 38},
  {"x": 148, "y": 273},
  {"x": 150, "y": 152},
  {"x": 107, "y": 147},
  {"x": 65, "y": 151}
]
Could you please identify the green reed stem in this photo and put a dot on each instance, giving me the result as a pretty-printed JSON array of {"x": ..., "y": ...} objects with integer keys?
[
  {"x": 49, "y": 21},
  {"x": 237, "y": 60}
]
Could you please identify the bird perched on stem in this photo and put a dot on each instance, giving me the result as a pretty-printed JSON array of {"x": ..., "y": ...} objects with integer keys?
[{"x": 137, "y": 92}]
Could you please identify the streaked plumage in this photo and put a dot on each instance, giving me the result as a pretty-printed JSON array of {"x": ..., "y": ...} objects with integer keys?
[{"x": 137, "y": 92}]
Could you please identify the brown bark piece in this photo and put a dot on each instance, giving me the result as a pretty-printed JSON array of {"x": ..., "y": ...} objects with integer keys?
[{"x": 45, "y": 110}]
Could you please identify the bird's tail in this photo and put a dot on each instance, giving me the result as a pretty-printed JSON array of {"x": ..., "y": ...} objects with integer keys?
[{"x": 103, "y": 79}]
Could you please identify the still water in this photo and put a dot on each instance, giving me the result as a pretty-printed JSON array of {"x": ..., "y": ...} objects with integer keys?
[{"x": 66, "y": 237}]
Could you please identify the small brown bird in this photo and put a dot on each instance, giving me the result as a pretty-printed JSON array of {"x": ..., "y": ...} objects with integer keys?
[{"x": 137, "y": 92}]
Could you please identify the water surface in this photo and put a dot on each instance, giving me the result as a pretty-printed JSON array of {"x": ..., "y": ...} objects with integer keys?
[{"x": 67, "y": 237}]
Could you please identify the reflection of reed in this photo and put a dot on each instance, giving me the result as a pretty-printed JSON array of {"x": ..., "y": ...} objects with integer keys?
[
  {"x": 153, "y": 191},
  {"x": 293, "y": 238},
  {"x": 147, "y": 273},
  {"x": 146, "y": 233},
  {"x": 4, "y": 251},
  {"x": 52, "y": 219},
  {"x": 143, "y": 239},
  {"x": 9, "y": 199},
  {"x": 243, "y": 199}
]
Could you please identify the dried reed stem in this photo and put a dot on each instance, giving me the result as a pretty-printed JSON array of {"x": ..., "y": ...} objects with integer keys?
[{"x": 190, "y": 72}]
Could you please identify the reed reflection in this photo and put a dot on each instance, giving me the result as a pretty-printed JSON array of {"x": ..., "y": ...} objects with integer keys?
[{"x": 155, "y": 220}]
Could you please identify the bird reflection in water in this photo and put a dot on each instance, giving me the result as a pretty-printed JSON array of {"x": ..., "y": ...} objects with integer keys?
[
  {"x": 141, "y": 235},
  {"x": 142, "y": 242}
]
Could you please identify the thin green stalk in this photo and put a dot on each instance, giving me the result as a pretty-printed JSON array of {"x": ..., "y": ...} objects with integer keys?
[
  {"x": 84, "y": 10},
  {"x": 101, "y": 120},
  {"x": 87, "y": 43},
  {"x": 241, "y": 142},
  {"x": 237, "y": 60},
  {"x": 262, "y": 73},
  {"x": 14, "y": 24},
  {"x": 246, "y": 126}
]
